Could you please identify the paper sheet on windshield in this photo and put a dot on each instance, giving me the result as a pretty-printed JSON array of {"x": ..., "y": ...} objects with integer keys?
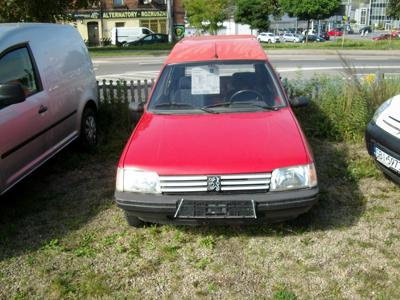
[{"x": 205, "y": 80}]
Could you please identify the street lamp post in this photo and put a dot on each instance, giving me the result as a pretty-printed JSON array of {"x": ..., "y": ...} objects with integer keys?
[
  {"x": 101, "y": 5},
  {"x": 170, "y": 7}
]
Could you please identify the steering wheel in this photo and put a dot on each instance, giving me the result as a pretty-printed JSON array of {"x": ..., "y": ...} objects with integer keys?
[{"x": 248, "y": 92}]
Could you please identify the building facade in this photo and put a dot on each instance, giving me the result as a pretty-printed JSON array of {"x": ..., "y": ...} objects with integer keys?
[
  {"x": 95, "y": 24},
  {"x": 373, "y": 13}
]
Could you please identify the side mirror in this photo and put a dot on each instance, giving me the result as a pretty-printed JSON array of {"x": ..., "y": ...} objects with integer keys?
[
  {"x": 136, "y": 109},
  {"x": 300, "y": 101},
  {"x": 11, "y": 93}
]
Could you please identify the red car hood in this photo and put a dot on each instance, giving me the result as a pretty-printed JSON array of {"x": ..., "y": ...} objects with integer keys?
[{"x": 216, "y": 143}]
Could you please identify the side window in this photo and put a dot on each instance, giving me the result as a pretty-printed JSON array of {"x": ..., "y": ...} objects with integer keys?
[
  {"x": 16, "y": 67},
  {"x": 148, "y": 38},
  {"x": 146, "y": 31}
]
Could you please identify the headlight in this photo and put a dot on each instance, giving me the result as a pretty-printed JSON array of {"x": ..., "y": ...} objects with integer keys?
[
  {"x": 133, "y": 180},
  {"x": 298, "y": 177},
  {"x": 381, "y": 109}
]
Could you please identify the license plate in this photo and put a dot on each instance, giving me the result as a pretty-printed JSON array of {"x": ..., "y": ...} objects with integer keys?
[
  {"x": 208, "y": 209},
  {"x": 387, "y": 160}
]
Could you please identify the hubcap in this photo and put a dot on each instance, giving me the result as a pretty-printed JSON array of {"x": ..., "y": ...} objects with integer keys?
[{"x": 90, "y": 129}]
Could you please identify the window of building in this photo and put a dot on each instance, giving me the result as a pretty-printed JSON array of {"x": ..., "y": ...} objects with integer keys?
[
  {"x": 120, "y": 24},
  {"x": 157, "y": 26},
  {"x": 363, "y": 18},
  {"x": 118, "y": 3}
]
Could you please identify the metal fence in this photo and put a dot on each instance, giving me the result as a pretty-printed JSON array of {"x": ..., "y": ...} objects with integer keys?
[{"x": 124, "y": 91}]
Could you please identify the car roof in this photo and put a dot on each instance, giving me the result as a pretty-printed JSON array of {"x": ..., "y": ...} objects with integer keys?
[
  {"x": 8, "y": 29},
  {"x": 223, "y": 47}
]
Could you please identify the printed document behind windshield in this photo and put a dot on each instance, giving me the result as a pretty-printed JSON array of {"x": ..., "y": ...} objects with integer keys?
[{"x": 205, "y": 80}]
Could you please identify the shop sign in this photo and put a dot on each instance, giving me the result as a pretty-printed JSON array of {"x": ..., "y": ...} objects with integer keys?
[
  {"x": 128, "y": 14},
  {"x": 179, "y": 30}
]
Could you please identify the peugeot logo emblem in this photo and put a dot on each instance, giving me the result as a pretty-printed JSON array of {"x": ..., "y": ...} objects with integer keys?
[{"x": 213, "y": 183}]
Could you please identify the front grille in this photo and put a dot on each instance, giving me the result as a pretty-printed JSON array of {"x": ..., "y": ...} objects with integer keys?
[{"x": 258, "y": 182}]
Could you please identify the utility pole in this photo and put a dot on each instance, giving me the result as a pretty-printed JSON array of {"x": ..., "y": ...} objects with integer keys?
[
  {"x": 101, "y": 22},
  {"x": 170, "y": 8}
]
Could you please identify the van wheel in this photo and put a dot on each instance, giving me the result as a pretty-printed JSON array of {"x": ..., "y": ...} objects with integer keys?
[
  {"x": 133, "y": 220},
  {"x": 88, "y": 137}
]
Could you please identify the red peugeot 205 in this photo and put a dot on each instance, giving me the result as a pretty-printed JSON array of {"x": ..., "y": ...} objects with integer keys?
[{"x": 217, "y": 141}]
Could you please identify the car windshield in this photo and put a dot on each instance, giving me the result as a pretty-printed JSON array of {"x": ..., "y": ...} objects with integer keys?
[{"x": 216, "y": 87}]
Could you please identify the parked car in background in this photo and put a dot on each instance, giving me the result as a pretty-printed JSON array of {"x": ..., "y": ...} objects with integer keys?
[
  {"x": 395, "y": 34},
  {"x": 122, "y": 35},
  {"x": 325, "y": 36},
  {"x": 291, "y": 37},
  {"x": 315, "y": 39},
  {"x": 217, "y": 141},
  {"x": 383, "y": 138},
  {"x": 335, "y": 32},
  {"x": 385, "y": 36},
  {"x": 48, "y": 96},
  {"x": 154, "y": 38},
  {"x": 268, "y": 37}
]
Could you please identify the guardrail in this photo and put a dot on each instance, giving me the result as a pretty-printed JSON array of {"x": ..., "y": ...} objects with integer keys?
[{"x": 124, "y": 91}]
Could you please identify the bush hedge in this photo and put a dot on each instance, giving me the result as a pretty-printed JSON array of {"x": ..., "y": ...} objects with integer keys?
[{"x": 341, "y": 107}]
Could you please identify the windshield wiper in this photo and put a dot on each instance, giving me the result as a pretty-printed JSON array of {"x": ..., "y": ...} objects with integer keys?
[
  {"x": 187, "y": 105},
  {"x": 173, "y": 104},
  {"x": 249, "y": 103}
]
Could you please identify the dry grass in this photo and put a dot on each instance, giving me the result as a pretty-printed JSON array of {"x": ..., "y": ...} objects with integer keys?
[{"x": 62, "y": 237}]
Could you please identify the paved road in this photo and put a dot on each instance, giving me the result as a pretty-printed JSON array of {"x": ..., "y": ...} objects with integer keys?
[{"x": 289, "y": 63}]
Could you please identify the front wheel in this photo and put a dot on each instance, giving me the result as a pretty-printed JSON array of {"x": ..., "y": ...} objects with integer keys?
[{"x": 88, "y": 136}]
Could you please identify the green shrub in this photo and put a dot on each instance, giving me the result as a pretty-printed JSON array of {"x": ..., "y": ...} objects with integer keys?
[{"x": 341, "y": 107}]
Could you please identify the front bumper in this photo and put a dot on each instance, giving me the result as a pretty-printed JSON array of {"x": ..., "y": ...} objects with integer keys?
[
  {"x": 376, "y": 136},
  {"x": 269, "y": 207}
]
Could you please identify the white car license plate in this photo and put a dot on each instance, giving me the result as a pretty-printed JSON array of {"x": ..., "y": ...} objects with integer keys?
[{"x": 387, "y": 160}]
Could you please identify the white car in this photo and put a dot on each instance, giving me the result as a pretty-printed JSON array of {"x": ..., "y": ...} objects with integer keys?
[
  {"x": 383, "y": 138},
  {"x": 48, "y": 96},
  {"x": 268, "y": 37},
  {"x": 291, "y": 37}
]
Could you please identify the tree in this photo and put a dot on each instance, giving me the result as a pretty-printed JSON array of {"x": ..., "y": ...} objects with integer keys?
[
  {"x": 256, "y": 13},
  {"x": 206, "y": 15},
  {"x": 38, "y": 10},
  {"x": 393, "y": 9},
  {"x": 310, "y": 9}
]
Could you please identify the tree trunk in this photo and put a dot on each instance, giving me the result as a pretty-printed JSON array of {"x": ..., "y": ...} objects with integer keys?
[{"x": 308, "y": 28}]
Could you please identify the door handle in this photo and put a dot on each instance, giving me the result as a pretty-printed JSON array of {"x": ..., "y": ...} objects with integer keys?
[{"x": 42, "y": 109}]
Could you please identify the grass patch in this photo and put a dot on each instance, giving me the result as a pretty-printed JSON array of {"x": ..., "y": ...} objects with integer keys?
[
  {"x": 337, "y": 44},
  {"x": 341, "y": 108},
  {"x": 284, "y": 294},
  {"x": 163, "y": 49}
]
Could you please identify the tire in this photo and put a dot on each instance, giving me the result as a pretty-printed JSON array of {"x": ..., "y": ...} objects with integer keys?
[
  {"x": 88, "y": 135},
  {"x": 133, "y": 220}
]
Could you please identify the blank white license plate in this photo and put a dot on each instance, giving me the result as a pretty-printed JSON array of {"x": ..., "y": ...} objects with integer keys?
[{"x": 387, "y": 160}]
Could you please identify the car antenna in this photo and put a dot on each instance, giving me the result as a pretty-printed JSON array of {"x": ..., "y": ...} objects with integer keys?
[{"x": 215, "y": 50}]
